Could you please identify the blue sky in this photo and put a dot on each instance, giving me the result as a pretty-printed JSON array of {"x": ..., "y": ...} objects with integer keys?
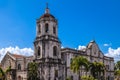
[{"x": 79, "y": 21}]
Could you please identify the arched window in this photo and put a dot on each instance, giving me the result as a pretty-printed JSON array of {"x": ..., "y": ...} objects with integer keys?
[
  {"x": 54, "y": 30},
  {"x": 54, "y": 51},
  {"x": 39, "y": 28},
  {"x": 39, "y": 51},
  {"x": 19, "y": 67},
  {"x": 46, "y": 28}
]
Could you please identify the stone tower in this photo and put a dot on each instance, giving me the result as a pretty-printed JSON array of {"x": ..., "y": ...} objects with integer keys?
[{"x": 47, "y": 48}]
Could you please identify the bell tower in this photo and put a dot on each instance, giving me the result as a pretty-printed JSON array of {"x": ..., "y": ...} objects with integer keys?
[
  {"x": 47, "y": 48},
  {"x": 47, "y": 43}
]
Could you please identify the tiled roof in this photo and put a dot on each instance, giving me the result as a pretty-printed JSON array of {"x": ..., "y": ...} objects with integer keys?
[
  {"x": 17, "y": 56},
  {"x": 47, "y": 15}
]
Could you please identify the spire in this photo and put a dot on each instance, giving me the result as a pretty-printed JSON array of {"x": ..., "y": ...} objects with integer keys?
[{"x": 47, "y": 9}]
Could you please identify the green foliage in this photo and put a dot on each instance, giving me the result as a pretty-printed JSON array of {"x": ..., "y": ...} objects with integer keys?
[
  {"x": 3, "y": 74},
  {"x": 32, "y": 71},
  {"x": 68, "y": 78},
  {"x": 97, "y": 68},
  {"x": 8, "y": 69},
  {"x": 117, "y": 65},
  {"x": 88, "y": 78},
  {"x": 117, "y": 72},
  {"x": 77, "y": 63}
]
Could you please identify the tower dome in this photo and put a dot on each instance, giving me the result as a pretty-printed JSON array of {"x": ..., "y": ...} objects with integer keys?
[
  {"x": 47, "y": 25},
  {"x": 47, "y": 15}
]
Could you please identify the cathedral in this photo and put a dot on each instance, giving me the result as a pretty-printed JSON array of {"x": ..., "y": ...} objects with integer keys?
[{"x": 54, "y": 61}]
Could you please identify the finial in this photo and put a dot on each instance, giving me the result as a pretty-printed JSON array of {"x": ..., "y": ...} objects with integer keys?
[
  {"x": 47, "y": 9},
  {"x": 93, "y": 40}
]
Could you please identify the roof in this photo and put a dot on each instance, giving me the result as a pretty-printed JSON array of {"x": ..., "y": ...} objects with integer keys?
[
  {"x": 47, "y": 15},
  {"x": 71, "y": 50},
  {"x": 17, "y": 56}
]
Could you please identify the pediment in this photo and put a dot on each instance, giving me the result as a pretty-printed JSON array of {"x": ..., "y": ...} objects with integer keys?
[
  {"x": 94, "y": 49},
  {"x": 8, "y": 59}
]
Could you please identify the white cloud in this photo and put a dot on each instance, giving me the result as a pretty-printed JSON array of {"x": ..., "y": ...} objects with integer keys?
[
  {"x": 106, "y": 45},
  {"x": 16, "y": 50},
  {"x": 62, "y": 47},
  {"x": 81, "y": 47},
  {"x": 115, "y": 53}
]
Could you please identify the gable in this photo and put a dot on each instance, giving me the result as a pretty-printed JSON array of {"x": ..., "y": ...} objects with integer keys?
[
  {"x": 101, "y": 54},
  {"x": 7, "y": 61},
  {"x": 94, "y": 50}
]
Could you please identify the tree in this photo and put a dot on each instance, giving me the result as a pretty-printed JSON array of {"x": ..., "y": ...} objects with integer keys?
[
  {"x": 117, "y": 70},
  {"x": 117, "y": 65},
  {"x": 117, "y": 74},
  {"x": 97, "y": 69},
  {"x": 68, "y": 78},
  {"x": 77, "y": 64},
  {"x": 33, "y": 71},
  {"x": 88, "y": 78},
  {"x": 4, "y": 74}
]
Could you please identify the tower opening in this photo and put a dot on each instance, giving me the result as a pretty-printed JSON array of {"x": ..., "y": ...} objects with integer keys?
[
  {"x": 39, "y": 28},
  {"x": 39, "y": 51},
  {"x": 46, "y": 28},
  {"x": 54, "y": 30},
  {"x": 54, "y": 51}
]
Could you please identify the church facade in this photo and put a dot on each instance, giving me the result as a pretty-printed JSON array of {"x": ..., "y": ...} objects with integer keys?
[{"x": 54, "y": 61}]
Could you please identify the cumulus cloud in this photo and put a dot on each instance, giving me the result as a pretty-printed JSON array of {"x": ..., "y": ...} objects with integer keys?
[
  {"x": 115, "y": 53},
  {"x": 16, "y": 50},
  {"x": 106, "y": 45},
  {"x": 62, "y": 47},
  {"x": 81, "y": 47}
]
